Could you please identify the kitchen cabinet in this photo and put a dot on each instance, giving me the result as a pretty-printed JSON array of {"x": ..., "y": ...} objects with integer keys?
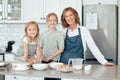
[
  {"x": 2, "y": 56},
  {"x": 57, "y": 6},
  {"x": 33, "y": 10},
  {"x": 14, "y": 77},
  {"x": 37, "y": 10},
  {"x": 99, "y": 1},
  {"x": 9, "y": 57},
  {"x": 10, "y": 11},
  {"x": 76, "y": 4},
  {"x": 35, "y": 78},
  {"x": 52, "y": 6}
]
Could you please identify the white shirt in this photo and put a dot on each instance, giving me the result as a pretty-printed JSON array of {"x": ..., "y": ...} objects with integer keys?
[{"x": 87, "y": 41}]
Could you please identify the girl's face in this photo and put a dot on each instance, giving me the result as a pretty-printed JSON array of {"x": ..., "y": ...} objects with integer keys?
[
  {"x": 70, "y": 18},
  {"x": 32, "y": 31},
  {"x": 52, "y": 22}
]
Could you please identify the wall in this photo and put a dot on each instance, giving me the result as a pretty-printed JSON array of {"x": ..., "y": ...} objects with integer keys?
[{"x": 16, "y": 32}]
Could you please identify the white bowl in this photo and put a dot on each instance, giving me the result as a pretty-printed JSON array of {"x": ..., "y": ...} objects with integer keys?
[
  {"x": 53, "y": 65},
  {"x": 40, "y": 66},
  {"x": 20, "y": 66}
]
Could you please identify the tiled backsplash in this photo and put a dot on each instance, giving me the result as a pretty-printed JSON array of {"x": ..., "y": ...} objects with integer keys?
[{"x": 15, "y": 32}]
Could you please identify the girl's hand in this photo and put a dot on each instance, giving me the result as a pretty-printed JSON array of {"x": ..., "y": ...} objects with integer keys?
[
  {"x": 109, "y": 64},
  {"x": 24, "y": 59},
  {"x": 36, "y": 61}
]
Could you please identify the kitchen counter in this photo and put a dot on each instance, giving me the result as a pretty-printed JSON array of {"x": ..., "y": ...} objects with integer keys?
[{"x": 98, "y": 72}]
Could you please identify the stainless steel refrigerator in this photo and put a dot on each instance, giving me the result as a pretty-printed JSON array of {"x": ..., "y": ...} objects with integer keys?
[{"x": 105, "y": 35}]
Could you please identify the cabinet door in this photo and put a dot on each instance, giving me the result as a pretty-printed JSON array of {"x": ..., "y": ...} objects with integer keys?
[
  {"x": 1, "y": 11},
  {"x": 1, "y": 57},
  {"x": 13, "y": 11},
  {"x": 91, "y": 2},
  {"x": 76, "y": 4},
  {"x": 9, "y": 57},
  {"x": 35, "y": 78},
  {"x": 33, "y": 10},
  {"x": 52, "y": 6},
  {"x": 13, "y": 77},
  {"x": 10, "y": 11},
  {"x": 108, "y": 1}
]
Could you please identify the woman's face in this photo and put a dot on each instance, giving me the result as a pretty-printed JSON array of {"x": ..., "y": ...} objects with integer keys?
[
  {"x": 32, "y": 31},
  {"x": 52, "y": 22},
  {"x": 70, "y": 18}
]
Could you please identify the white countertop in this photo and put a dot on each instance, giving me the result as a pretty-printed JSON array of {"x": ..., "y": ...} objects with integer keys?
[{"x": 97, "y": 72}]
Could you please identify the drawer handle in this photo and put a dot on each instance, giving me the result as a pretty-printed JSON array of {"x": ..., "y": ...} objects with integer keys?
[{"x": 14, "y": 77}]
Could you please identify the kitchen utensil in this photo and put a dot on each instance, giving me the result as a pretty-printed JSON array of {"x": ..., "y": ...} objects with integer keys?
[
  {"x": 9, "y": 46},
  {"x": 76, "y": 63}
]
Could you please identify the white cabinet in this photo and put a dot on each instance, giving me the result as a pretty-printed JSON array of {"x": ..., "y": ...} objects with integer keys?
[
  {"x": 99, "y": 2},
  {"x": 13, "y": 77},
  {"x": 36, "y": 10},
  {"x": 33, "y": 10},
  {"x": 10, "y": 11},
  {"x": 9, "y": 57},
  {"x": 52, "y": 6},
  {"x": 35, "y": 78},
  {"x": 1, "y": 56},
  {"x": 76, "y": 4}
]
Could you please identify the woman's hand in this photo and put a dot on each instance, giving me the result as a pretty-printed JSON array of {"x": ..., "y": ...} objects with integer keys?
[{"x": 109, "y": 64}]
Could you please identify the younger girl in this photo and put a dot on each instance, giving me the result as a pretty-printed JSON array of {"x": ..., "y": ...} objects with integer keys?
[{"x": 30, "y": 44}]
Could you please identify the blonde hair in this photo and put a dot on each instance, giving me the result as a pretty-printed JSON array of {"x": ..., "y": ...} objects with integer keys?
[
  {"x": 37, "y": 38},
  {"x": 75, "y": 13},
  {"x": 51, "y": 14}
]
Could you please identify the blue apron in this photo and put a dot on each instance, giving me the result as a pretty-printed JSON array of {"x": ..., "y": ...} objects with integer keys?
[{"x": 73, "y": 47}]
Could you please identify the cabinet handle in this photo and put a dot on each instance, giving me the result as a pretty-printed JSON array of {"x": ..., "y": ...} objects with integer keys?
[
  {"x": 5, "y": 18},
  {"x": 14, "y": 77},
  {"x": 41, "y": 18}
]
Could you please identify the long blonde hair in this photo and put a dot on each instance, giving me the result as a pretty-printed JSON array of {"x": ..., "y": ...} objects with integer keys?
[{"x": 37, "y": 37}]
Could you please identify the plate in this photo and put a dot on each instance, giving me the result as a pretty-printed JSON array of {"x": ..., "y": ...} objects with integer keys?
[{"x": 67, "y": 70}]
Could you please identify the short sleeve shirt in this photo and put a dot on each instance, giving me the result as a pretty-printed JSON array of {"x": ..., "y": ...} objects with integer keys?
[{"x": 51, "y": 42}]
